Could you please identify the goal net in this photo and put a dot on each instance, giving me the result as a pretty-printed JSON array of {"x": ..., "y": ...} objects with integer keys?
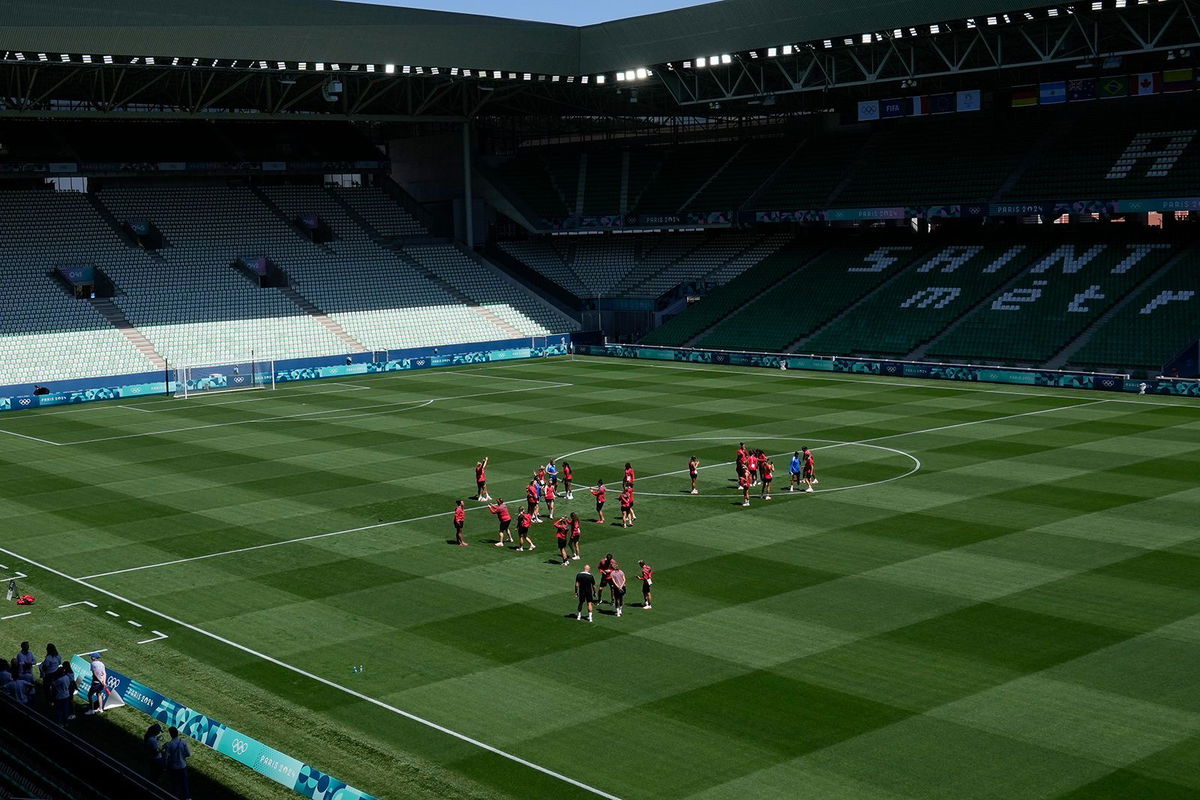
[{"x": 239, "y": 376}]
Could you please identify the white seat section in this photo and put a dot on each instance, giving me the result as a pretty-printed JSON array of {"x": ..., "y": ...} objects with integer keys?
[
  {"x": 45, "y": 333},
  {"x": 381, "y": 212}
]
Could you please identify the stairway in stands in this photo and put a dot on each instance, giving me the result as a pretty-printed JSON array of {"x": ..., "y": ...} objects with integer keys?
[
  {"x": 320, "y": 316},
  {"x": 117, "y": 318}
]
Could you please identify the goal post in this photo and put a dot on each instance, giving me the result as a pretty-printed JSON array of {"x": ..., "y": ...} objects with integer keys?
[{"x": 235, "y": 376}]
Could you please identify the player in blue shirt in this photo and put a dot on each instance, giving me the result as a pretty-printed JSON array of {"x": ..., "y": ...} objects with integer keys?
[
  {"x": 552, "y": 474},
  {"x": 794, "y": 469}
]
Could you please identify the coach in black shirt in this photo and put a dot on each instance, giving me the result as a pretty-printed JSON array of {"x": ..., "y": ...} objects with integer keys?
[{"x": 585, "y": 590}]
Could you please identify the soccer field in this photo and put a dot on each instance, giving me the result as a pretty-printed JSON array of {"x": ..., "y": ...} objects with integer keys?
[{"x": 994, "y": 593}]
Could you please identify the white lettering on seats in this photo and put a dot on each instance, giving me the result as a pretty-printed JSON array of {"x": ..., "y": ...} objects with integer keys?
[
  {"x": 1167, "y": 296},
  {"x": 951, "y": 258},
  {"x": 1078, "y": 304},
  {"x": 1071, "y": 261},
  {"x": 1136, "y": 253},
  {"x": 1164, "y": 157},
  {"x": 1008, "y": 256},
  {"x": 881, "y": 259},
  {"x": 936, "y": 296},
  {"x": 1012, "y": 299}
]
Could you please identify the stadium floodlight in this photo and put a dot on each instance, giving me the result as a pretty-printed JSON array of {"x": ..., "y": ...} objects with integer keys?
[
  {"x": 528, "y": 76},
  {"x": 87, "y": 59},
  {"x": 280, "y": 65},
  {"x": 897, "y": 33},
  {"x": 788, "y": 49},
  {"x": 421, "y": 71},
  {"x": 848, "y": 41},
  {"x": 600, "y": 79},
  {"x": 620, "y": 77},
  {"x": 714, "y": 60},
  {"x": 701, "y": 62},
  {"x": 320, "y": 66},
  {"x": 828, "y": 43},
  {"x": 935, "y": 29},
  {"x": 20, "y": 56},
  {"x": 175, "y": 61},
  {"x": 512, "y": 76},
  {"x": 435, "y": 70},
  {"x": 642, "y": 73},
  {"x": 454, "y": 71},
  {"x": 405, "y": 69},
  {"x": 992, "y": 21},
  {"x": 726, "y": 59},
  {"x": 772, "y": 52},
  {"x": 108, "y": 59},
  {"x": 389, "y": 69},
  {"x": 866, "y": 38},
  {"x": 43, "y": 57},
  {"x": 64, "y": 57},
  {"x": 303, "y": 66},
  {"x": 150, "y": 60},
  {"x": 496, "y": 74},
  {"x": 195, "y": 62},
  {"x": 584, "y": 79},
  {"x": 1120, "y": 3},
  {"x": 1097, "y": 5},
  {"x": 753, "y": 54}
]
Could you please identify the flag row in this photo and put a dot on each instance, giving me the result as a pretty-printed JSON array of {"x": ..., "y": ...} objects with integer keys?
[
  {"x": 1106, "y": 88},
  {"x": 920, "y": 105}
]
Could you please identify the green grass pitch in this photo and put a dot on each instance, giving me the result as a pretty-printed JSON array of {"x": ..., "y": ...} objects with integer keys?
[{"x": 995, "y": 594}]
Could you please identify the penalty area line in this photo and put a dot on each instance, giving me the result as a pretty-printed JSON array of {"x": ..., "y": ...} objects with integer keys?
[{"x": 324, "y": 681}]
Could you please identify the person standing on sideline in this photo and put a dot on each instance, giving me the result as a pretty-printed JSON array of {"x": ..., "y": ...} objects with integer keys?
[
  {"x": 562, "y": 529},
  {"x": 524, "y": 520},
  {"x": 62, "y": 689},
  {"x": 481, "y": 490},
  {"x": 24, "y": 663},
  {"x": 460, "y": 519},
  {"x": 810, "y": 469},
  {"x": 152, "y": 746},
  {"x": 616, "y": 579},
  {"x": 566, "y": 474},
  {"x": 693, "y": 472},
  {"x": 502, "y": 513},
  {"x": 576, "y": 532},
  {"x": 585, "y": 587},
  {"x": 175, "y": 756},
  {"x": 48, "y": 669},
  {"x": 794, "y": 469},
  {"x": 647, "y": 579},
  {"x": 600, "y": 493},
  {"x": 98, "y": 691}
]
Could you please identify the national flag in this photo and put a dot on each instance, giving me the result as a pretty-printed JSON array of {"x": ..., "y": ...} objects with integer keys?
[
  {"x": 1025, "y": 97},
  {"x": 1081, "y": 89},
  {"x": 1179, "y": 80},
  {"x": 896, "y": 107},
  {"x": 941, "y": 103},
  {"x": 1113, "y": 86},
  {"x": 1052, "y": 93},
  {"x": 920, "y": 105},
  {"x": 969, "y": 100},
  {"x": 868, "y": 110},
  {"x": 1146, "y": 83}
]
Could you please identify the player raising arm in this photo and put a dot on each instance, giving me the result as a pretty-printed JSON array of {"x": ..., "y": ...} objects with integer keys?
[
  {"x": 693, "y": 472},
  {"x": 481, "y": 490},
  {"x": 562, "y": 529},
  {"x": 576, "y": 532}
]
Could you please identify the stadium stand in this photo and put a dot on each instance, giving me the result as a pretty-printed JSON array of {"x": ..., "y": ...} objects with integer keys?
[
  {"x": 802, "y": 302},
  {"x": 379, "y": 211},
  {"x": 1155, "y": 323},
  {"x": 1055, "y": 299}
]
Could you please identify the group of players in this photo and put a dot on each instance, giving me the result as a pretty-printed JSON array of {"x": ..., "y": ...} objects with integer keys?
[{"x": 753, "y": 466}]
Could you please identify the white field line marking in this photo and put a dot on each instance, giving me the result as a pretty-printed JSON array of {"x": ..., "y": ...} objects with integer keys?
[
  {"x": 14, "y": 577},
  {"x": 134, "y": 624},
  {"x": 30, "y": 438},
  {"x": 925, "y": 383},
  {"x": 279, "y": 543},
  {"x": 326, "y": 682},
  {"x": 386, "y": 408},
  {"x": 14, "y": 616},
  {"x": 135, "y": 408},
  {"x": 89, "y": 652},
  {"x": 158, "y": 637},
  {"x": 113, "y": 614},
  {"x": 269, "y": 396},
  {"x": 80, "y": 603}
]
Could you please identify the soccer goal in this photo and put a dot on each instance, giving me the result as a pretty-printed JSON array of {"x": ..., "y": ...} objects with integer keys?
[{"x": 239, "y": 376}]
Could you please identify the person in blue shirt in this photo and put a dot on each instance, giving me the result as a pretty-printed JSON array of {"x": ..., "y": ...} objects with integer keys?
[
  {"x": 552, "y": 474},
  {"x": 794, "y": 469}
]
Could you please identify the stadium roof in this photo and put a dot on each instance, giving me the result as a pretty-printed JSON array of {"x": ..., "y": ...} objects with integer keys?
[{"x": 329, "y": 31}]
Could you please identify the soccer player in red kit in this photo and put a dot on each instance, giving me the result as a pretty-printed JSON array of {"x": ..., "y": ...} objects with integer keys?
[
  {"x": 562, "y": 529},
  {"x": 740, "y": 460},
  {"x": 626, "y": 501},
  {"x": 605, "y": 567},
  {"x": 809, "y": 474},
  {"x": 600, "y": 493},
  {"x": 566, "y": 476},
  {"x": 629, "y": 476},
  {"x": 576, "y": 532},
  {"x": 767, "y": 470},
  {"x": 460, "y": 518},
  {"x": 502, "y": 513},
  {"x": 744, "y": 485},
  {"x": 481, "y": 491},
  {"x": 647, "y": 579},
  {"x": 548, "y": 499},
  {"x": 524, "y": 520},
  {"x": 629, "y": 479},
  {"x": 693, "y": 472},
  {"x": 531, "y": 500},
  {"x": 752, "y": 467}
]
